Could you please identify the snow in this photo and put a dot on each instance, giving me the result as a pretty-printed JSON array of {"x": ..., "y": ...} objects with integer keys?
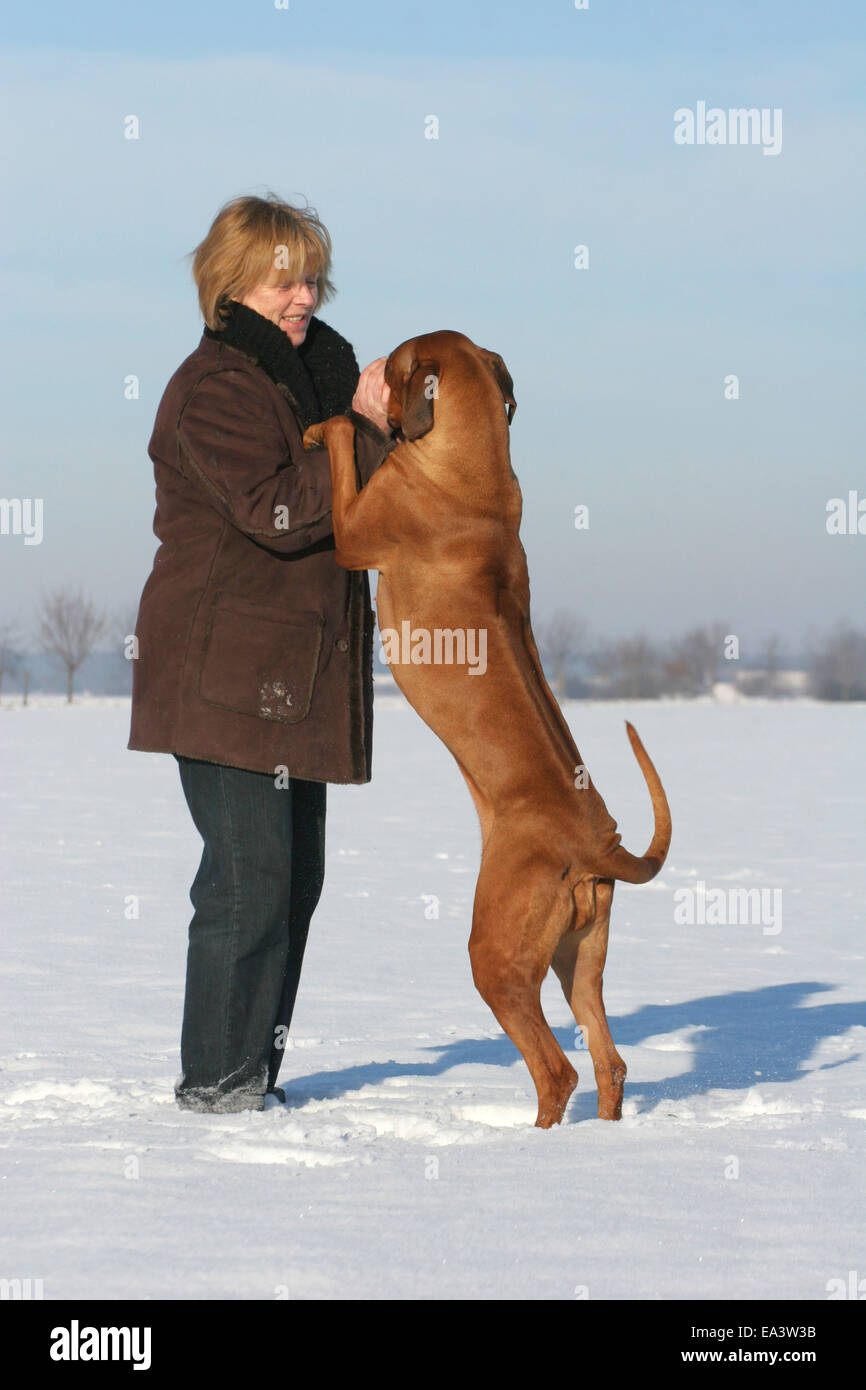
[{"x": 406, "y": 1163}]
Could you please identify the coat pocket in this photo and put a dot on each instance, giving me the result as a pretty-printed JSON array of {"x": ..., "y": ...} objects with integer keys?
[{"x": 259, "y": 660}]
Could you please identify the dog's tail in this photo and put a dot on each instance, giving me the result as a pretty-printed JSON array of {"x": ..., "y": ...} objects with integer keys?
[{"x": 628, "y": 867}]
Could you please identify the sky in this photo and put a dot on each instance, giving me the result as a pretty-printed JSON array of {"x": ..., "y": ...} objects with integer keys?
[{"x": 555, "y": 130}]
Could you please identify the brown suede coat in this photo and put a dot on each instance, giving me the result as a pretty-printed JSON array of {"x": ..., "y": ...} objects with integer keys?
[{"x": 255, "y": 648}]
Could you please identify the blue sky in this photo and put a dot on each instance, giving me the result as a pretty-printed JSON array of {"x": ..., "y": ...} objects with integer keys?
[
  {"x": 487, "y": 29},
  {"x": 555, "y": 129}
]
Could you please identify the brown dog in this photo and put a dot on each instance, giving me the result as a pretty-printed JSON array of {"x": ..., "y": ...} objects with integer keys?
[{"x": 439, "y": 520}]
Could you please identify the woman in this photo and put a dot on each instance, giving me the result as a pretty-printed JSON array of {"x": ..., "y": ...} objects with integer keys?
[{"x": 254, "y": 648}]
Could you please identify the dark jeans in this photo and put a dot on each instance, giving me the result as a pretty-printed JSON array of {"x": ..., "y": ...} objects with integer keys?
[{"x": 257, "y": 885}]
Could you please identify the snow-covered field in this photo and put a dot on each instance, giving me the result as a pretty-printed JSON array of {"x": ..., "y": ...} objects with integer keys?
[{"x": 406, "y": 1163}]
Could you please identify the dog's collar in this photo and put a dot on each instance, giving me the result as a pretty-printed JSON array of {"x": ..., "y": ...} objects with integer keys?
[{"x": 319, "y": 378}]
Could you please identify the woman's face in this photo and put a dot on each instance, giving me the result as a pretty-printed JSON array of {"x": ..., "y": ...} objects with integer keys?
[{"x": 289, "y": 304}]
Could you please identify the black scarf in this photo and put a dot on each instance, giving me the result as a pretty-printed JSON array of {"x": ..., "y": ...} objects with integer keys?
[{"x": 319, "y": 377}]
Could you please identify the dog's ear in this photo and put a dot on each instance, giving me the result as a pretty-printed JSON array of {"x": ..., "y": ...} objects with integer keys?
[
  {"x": 419, "y": 392},
  {"x": 503, "y": 379}
]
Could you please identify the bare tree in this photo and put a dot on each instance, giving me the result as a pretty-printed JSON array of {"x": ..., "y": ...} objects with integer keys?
[
  {"x": 765, "y": 681},
  {"x": 838, "y": 670},
  {"x": 10, "y": 656},
  {"x": 69, "y": 628},
  {"x": 676, "y": 676},
  {"x": 629, "y": 669},
  {"x": 560, "y": 639},
  {"x": 638, "y": 661},
  {"x": 773, "y": 652},
  {"x": 696, "y": 657}
]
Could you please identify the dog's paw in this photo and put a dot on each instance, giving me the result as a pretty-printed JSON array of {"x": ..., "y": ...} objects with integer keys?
[{"x": 314, "y": 436}]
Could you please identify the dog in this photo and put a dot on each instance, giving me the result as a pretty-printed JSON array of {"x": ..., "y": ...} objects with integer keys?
[{"x": 440, "y": 521}]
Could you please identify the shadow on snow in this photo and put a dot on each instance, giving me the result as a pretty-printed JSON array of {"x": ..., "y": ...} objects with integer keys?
[{"x": 742, "y": 1039}]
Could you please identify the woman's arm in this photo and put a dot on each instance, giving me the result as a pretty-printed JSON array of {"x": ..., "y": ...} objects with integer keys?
[
  {"x": 372, "y": 445},
  {"x": 374, "y": 440},
  {"x": 232, "y": 445}
]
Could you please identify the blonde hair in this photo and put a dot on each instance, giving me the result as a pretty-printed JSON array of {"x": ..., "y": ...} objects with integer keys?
[{"x": 259, "y": 241}]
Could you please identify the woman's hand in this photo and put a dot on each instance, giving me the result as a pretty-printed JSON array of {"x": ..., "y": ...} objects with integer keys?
[{"x": 371, "y": 397}]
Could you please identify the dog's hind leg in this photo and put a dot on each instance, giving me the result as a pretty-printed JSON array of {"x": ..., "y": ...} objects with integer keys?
[
  {"x": 579, "y": 964},
  {"x": 516, "y": 923}
]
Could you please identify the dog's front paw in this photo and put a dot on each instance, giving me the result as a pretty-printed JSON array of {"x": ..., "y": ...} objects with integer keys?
[{"x": 315, "y": 435}]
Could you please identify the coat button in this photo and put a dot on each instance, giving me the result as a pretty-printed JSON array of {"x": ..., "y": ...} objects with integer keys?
[{"x": 341, "y": 644}]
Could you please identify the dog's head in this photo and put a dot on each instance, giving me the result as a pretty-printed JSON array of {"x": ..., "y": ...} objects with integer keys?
[{"x": 412, "y": 375}]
